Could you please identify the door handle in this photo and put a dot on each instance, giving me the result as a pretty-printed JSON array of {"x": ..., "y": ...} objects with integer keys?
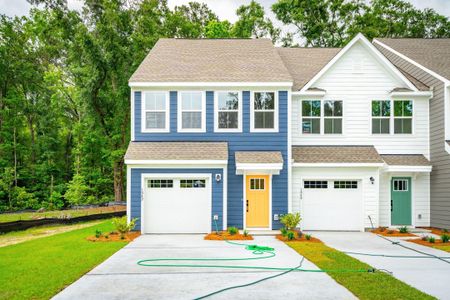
[
  {"x": 392, "y": 205},
  {"x": 246, "y": 204}
]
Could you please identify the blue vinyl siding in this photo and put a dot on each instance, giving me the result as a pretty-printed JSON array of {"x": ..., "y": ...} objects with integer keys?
[
  {"x": 242, "y": 141},
  {"x": 216, "y": 188}
]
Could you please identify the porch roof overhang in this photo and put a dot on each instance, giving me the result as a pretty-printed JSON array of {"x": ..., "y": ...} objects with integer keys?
[
  {"x": 406, "y": 163},
  {"x": 270, "y": 162}
]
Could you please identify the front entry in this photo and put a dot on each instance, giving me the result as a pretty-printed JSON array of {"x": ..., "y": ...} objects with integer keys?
[
  {"x": 257, "y": 202},
  {"x": 401, "y": 201}
]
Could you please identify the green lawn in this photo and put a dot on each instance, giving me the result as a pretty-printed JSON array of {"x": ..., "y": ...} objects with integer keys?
[
  {"x": 10, "y": 217},
  {"x": 40, "y": 268},
  {"x": 443, "y": 247},
  {"x": 362, "y": 285}
]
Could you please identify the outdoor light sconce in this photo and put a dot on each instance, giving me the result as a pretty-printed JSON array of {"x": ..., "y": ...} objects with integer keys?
[
  {"x": 372, "y": 180},
  {"x": 218, "y": 177}
]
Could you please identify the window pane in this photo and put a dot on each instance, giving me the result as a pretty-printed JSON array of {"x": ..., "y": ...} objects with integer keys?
[
  {"x": 155, "y": 120},
  {"x": 328, "y": 108},
  {"x": 192, "y": 120},
  {"x": 306, "y": 108},
  {"x": 328, "y": 126},
  {"x": 228, "y": 119},
  {"x": 407, "y": 108},
  {"x": 338, "y": 108},
  {"x": 149, "y": 101},
  {"x": 264, "y": 100},
  {"x": 332, "y": 108},
  {"x": 311, "y": 126},
  {"x": 398, "y": 108},
  {"x": 407, "y": 125},
  {"x": 227, "y": 101},
  {"x": 376, "y": 109},
  {"x": 385, "y": 126},
  {"x": 191, "y": 101},
  {"x": 386, "y": 108},
  {"x": 264, "y": 119},
  {"x": 376, "y": 126},
  {"x": 315, "y": 109},
  {"x": 333, "y": 126}
]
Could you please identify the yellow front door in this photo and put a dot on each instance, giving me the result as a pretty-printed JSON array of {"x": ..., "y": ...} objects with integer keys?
[{"x": 257, "y": 202}]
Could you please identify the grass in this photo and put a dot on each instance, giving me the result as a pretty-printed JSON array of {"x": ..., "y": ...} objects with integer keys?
[
  {"x": 10, "y": 217},
  {"x": 362, "y": 285},
  {"x": 442, "y": 247},
  {"x": 40, "y": 268}
]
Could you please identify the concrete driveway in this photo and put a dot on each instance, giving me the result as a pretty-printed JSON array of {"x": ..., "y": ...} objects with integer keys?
[
  {"x": 119, "y": 277},
  {"x": 426, "y": 274}
]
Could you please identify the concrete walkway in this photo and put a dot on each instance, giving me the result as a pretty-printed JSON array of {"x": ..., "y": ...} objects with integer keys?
[
  {"x": 426, "y": 274},
  {"x": 119, "y": 277}
]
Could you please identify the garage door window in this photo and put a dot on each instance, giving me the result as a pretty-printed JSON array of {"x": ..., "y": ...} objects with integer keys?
[
  {"x": 160, "y": 183},
  {"x": 257, "y": 184},
  {"x": 346, "y": 184},
  {"x": 192, "y": 183},
  {"x": 315, "y": 184}
]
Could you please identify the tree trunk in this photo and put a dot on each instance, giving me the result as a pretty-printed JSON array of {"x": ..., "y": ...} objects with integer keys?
[{"x": 118, "y": 181}]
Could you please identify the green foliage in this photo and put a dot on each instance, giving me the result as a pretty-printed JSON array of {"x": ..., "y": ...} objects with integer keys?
[
  {"x": 233, "y": 230},
  {"x": 308, "y": 237},
  {"x": 77, "y": 191},
  {"x": 98, "y": 233},
  {"x": 122, "y": 226},
  {"x": 291, "y": 220},
  {"x": 245, "y": 233},
  {"x": 283, "y": 231},
  {"x": 290, "y": 235},
  {"x": 218, "y": 30},
  {"x": 403, "y": 229},
  {"x": 445, "y": 238},
  {"x": 431, "y": 239}
]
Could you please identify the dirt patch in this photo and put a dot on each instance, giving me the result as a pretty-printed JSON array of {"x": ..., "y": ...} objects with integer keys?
[
  {"x": 114, "y": 237},
  {"x": 391, "y": 232},
  {"x": 298, "y": 239},
  {"x": 224, "y": 235}
]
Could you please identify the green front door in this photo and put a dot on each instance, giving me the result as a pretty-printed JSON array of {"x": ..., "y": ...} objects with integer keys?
[{"x": 401, "y": 201}]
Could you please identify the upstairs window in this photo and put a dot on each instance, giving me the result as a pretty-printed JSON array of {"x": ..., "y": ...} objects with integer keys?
[
  {"x": 332, "y": 117},
  {"x": 311, "y": 116},
  {"x": 155, "y": 112},
  {"x": 381, "y": 117},
  {"x": 403, "y": 114},
  {"x": 228, "y": 111},
  {"x": 264, "y": 112},
  {"x": 191, "y": 112}
]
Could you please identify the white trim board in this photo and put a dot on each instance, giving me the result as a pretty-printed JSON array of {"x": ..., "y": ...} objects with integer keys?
[
  {"x": 174, "y": 162},
  {"x": 211, "y": 84},
  {"x": 337, "y": 165}
]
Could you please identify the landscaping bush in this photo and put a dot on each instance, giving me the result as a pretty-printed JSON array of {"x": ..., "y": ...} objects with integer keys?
[
  {"x": 308, "y": 237},
  {"x": 98, "y": 233},
  {"x": 245, "y": 233},
  {"x": 283, "y": 231},
  {"x": 404, "y": 229},
  {"x": 291, "y": 220},
  {"x": 382, "y": 229},
  {"x": 233, "y": 230},
  {"x": 299, "y": 234},
  {"x": 425, "y": 238},
  {"x": 445, "y": 238},
  {"x": 122, "y": 226},
  {"x": 431, "y": 239},
  {"x": 290, "y": 235}
]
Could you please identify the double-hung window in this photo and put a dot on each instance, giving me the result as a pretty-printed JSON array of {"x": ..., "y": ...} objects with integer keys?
[
  {"x": 191, "y": 112},
  {"x": 311, "y": 116},
  {"x": 332, "y": 117},
  {"x": 381, "y": 116},
  {"x": 155, "y": 112},
  {"x": 228, "y": 111},
  {"x": 264, "y": 112},
  {"x": 403, "y": 114}
]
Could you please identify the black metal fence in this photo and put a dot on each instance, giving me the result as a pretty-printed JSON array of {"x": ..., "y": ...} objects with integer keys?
[{"x": 22, "y": 225}]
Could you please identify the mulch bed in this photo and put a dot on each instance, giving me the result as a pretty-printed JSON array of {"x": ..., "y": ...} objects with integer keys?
[
  {"x": 224, "y": 235},
  {"x": 427, "y": 243},
  {"x": 390, "y": 232},
  {"x": 297, "y": 239},
  {"x": 114, "y": 237},
  {"x": 436, "y": 231}
]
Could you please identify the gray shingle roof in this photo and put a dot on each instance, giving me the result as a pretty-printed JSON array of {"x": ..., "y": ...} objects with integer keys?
[
  {"x": 305, "y": 63},
  {"x": 335, "y": 154},
  {"x": 416, "y": 82},
  {"x": 433, "y": 54},
  {"x": 255, "y": 157},
  {"x": 405, "y": 160},
  {"x": 212, "y": 60},
  {"x": 177, "y": 151}
]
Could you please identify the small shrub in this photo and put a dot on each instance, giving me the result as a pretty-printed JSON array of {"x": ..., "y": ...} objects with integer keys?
[
  {"x": 299, "y": 234},
  {"x": 233, "y": 230},
  {"x": 107, "y": 236},
  {"x": 308, "y": 237},
  {"x": 404, "y": 229},
  {"x": 245, "y": 233},
  {"x": 291, "y": 221},
  {"x": 283, "y": 231},
  {"x": 98, "y": 233},
  {"x": 390, "y": 231},
  {"x": 445, "y": 230},
  {"x": 382, "y": 229},
  {"x": 122, "y": 226},
  {"x": 425, "y": 238},
  {"x": 431, "y": 240},
  {"x": 445, "y": 238},
  {"x": 290, "y": 235}
]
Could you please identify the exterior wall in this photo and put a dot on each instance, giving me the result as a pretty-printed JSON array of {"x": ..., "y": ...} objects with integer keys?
[
  {"x": 420, "y": 198},
  {"x": 136, "y": 191},
  {"x": 242, "y": 141},
  {"x": 370, "y": 191},
  {"x": 357, "y": 90},
  {"x": 440, "y": 159}
]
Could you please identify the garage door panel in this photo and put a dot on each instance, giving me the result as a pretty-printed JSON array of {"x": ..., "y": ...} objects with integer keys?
[{"x": 325, "y": 207}]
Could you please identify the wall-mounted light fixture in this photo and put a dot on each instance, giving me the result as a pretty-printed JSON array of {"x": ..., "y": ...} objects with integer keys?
[
  {"x": 218, "y": 177},
  {"x": 372, "y": 180}
]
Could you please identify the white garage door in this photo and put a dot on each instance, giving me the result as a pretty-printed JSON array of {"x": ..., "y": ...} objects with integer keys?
[
  {"x": 177, "y": 205},
  {"x": 332, "y": 205}
]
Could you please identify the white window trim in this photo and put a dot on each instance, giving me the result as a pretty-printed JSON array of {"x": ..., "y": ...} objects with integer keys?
[
  {"x": 180, "y": 110},
  {"x": 402, "y": 117},
  {"x": 392, "y": 119},
  {"x": 322, "y": 118},
  {"x": 309, "y": 117},
  {"x": 276, "y": 112},
  {"x": 216, "y": 112},
  {"x": 143, "y": 111},
  {"x": 389, "y": 118}
]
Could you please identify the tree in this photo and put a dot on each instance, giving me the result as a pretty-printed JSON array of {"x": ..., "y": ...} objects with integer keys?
[{"x": 218, "y": 29}]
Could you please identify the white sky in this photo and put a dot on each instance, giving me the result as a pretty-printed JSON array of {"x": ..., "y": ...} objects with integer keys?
[{"x": 225, "y": 9}]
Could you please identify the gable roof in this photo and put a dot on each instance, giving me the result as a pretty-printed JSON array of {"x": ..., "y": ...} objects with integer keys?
[
  {"x": 212, "y": 60},
  {"x": 305, "y": 63},
  {"x": 433, "y": 54}
]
